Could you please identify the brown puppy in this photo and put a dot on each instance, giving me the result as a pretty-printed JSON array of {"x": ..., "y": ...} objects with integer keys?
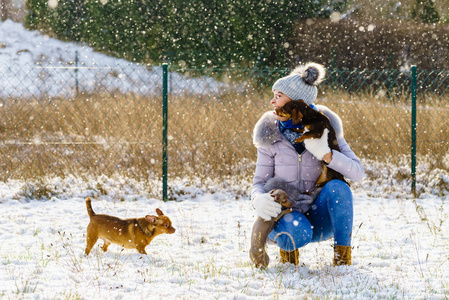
[
  {"x": 261, "y": 229},
  {"x": 315, "y": 122},
  {"x": 128, "y": 233}
]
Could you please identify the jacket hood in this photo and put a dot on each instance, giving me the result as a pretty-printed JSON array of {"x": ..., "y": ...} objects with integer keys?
[{"x": 266, "y": 131}]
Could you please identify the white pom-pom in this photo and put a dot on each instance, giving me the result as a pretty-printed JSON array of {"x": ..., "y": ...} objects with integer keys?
[{"x": 311, "y": 73}]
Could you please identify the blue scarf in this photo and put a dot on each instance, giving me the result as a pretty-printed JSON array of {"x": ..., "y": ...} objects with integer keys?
[
  {"x": 289, "y": 124},
  {"x": 286, "y": 130}
]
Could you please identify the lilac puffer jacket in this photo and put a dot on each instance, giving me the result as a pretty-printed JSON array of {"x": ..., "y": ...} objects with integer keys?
[{"x": 276, "y": 157}]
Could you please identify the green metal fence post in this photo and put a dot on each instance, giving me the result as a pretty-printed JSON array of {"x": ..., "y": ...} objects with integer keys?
[
  {"x": 164, "y": 129},
  {"x": 413, "y": 154}
]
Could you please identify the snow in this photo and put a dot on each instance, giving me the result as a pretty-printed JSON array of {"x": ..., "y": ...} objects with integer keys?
[
  {"x": 400, "y": 244},
  {"x": 395, "y": 253},
  {"x": 31, "y": 60}
]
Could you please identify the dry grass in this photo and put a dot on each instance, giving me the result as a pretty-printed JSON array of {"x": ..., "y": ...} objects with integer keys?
[
  {"x": 380, "y": 128},
  {"x": 102, "y": 133},
  {"x": 110, "y": 134}
]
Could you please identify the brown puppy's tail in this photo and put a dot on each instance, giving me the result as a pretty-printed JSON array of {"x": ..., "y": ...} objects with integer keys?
[{"x": 90, "y": 211}]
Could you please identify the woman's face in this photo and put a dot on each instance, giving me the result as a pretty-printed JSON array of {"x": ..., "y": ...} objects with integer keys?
[{"x": 278, "y": 101}]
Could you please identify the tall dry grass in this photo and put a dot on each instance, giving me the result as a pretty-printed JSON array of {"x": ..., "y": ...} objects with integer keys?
[
  {"x": 209, "y": 136},
  {"x": 95, "y": 133},
  {"x": 380, "y": 127}
]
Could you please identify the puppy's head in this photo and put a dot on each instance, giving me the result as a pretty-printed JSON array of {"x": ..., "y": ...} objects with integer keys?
[
  {"x": 281, "y": 197},
  {"x": 161, "y": 223},
  {"x": 293, "y": 110}
]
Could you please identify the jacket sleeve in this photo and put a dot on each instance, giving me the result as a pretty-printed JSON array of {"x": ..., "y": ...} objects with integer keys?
[
  {"x": 346, "y": 162},
  {"x": 264, "y": 171}
]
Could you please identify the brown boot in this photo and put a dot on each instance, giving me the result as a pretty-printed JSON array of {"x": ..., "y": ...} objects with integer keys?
[
  {"x": 290, "y": 256},
  {"x": 342, "y": 255}
]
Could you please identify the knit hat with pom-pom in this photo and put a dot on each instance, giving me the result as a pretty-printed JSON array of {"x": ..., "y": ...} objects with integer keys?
[{"x": 301, "y": 83}]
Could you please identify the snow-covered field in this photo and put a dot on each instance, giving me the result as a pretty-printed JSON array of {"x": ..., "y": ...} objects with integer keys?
[
  {"x": 396, "y": 254},
  {"x": 400, "y": 245}
]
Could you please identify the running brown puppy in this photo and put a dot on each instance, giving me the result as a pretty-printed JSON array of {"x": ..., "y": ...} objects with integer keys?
[{"x": 128, "y": 233}]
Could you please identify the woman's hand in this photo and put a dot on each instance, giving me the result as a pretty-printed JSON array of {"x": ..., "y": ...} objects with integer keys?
[
  {"x": 319, "y": 147},
  {"x": 266, "y": 207}
]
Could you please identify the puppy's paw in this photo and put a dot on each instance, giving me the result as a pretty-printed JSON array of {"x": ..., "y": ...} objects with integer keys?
[{"x": 281, "y": 197}]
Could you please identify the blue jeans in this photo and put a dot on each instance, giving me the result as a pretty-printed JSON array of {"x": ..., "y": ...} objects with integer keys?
[{"x": 331, "y": 215}]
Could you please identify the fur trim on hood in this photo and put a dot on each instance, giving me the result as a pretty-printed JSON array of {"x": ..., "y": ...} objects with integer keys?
[{"x": 266, "y": 131}]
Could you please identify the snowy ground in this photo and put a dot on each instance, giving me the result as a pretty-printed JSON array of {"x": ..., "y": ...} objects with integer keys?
[{"x": 395, "y": 253}]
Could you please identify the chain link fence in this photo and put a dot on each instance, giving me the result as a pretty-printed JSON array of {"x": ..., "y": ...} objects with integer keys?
[{"x": 108, "y": 120}]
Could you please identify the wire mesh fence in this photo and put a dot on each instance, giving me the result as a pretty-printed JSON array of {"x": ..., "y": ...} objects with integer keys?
[{"x": 108, "y": 120}]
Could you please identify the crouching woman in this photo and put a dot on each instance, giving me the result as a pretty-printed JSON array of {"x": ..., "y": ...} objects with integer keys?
[{"x": 319, "y": 214}]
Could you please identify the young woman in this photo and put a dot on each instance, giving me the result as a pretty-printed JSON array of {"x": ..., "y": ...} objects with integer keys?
[{"x": 319, "y": 214}]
